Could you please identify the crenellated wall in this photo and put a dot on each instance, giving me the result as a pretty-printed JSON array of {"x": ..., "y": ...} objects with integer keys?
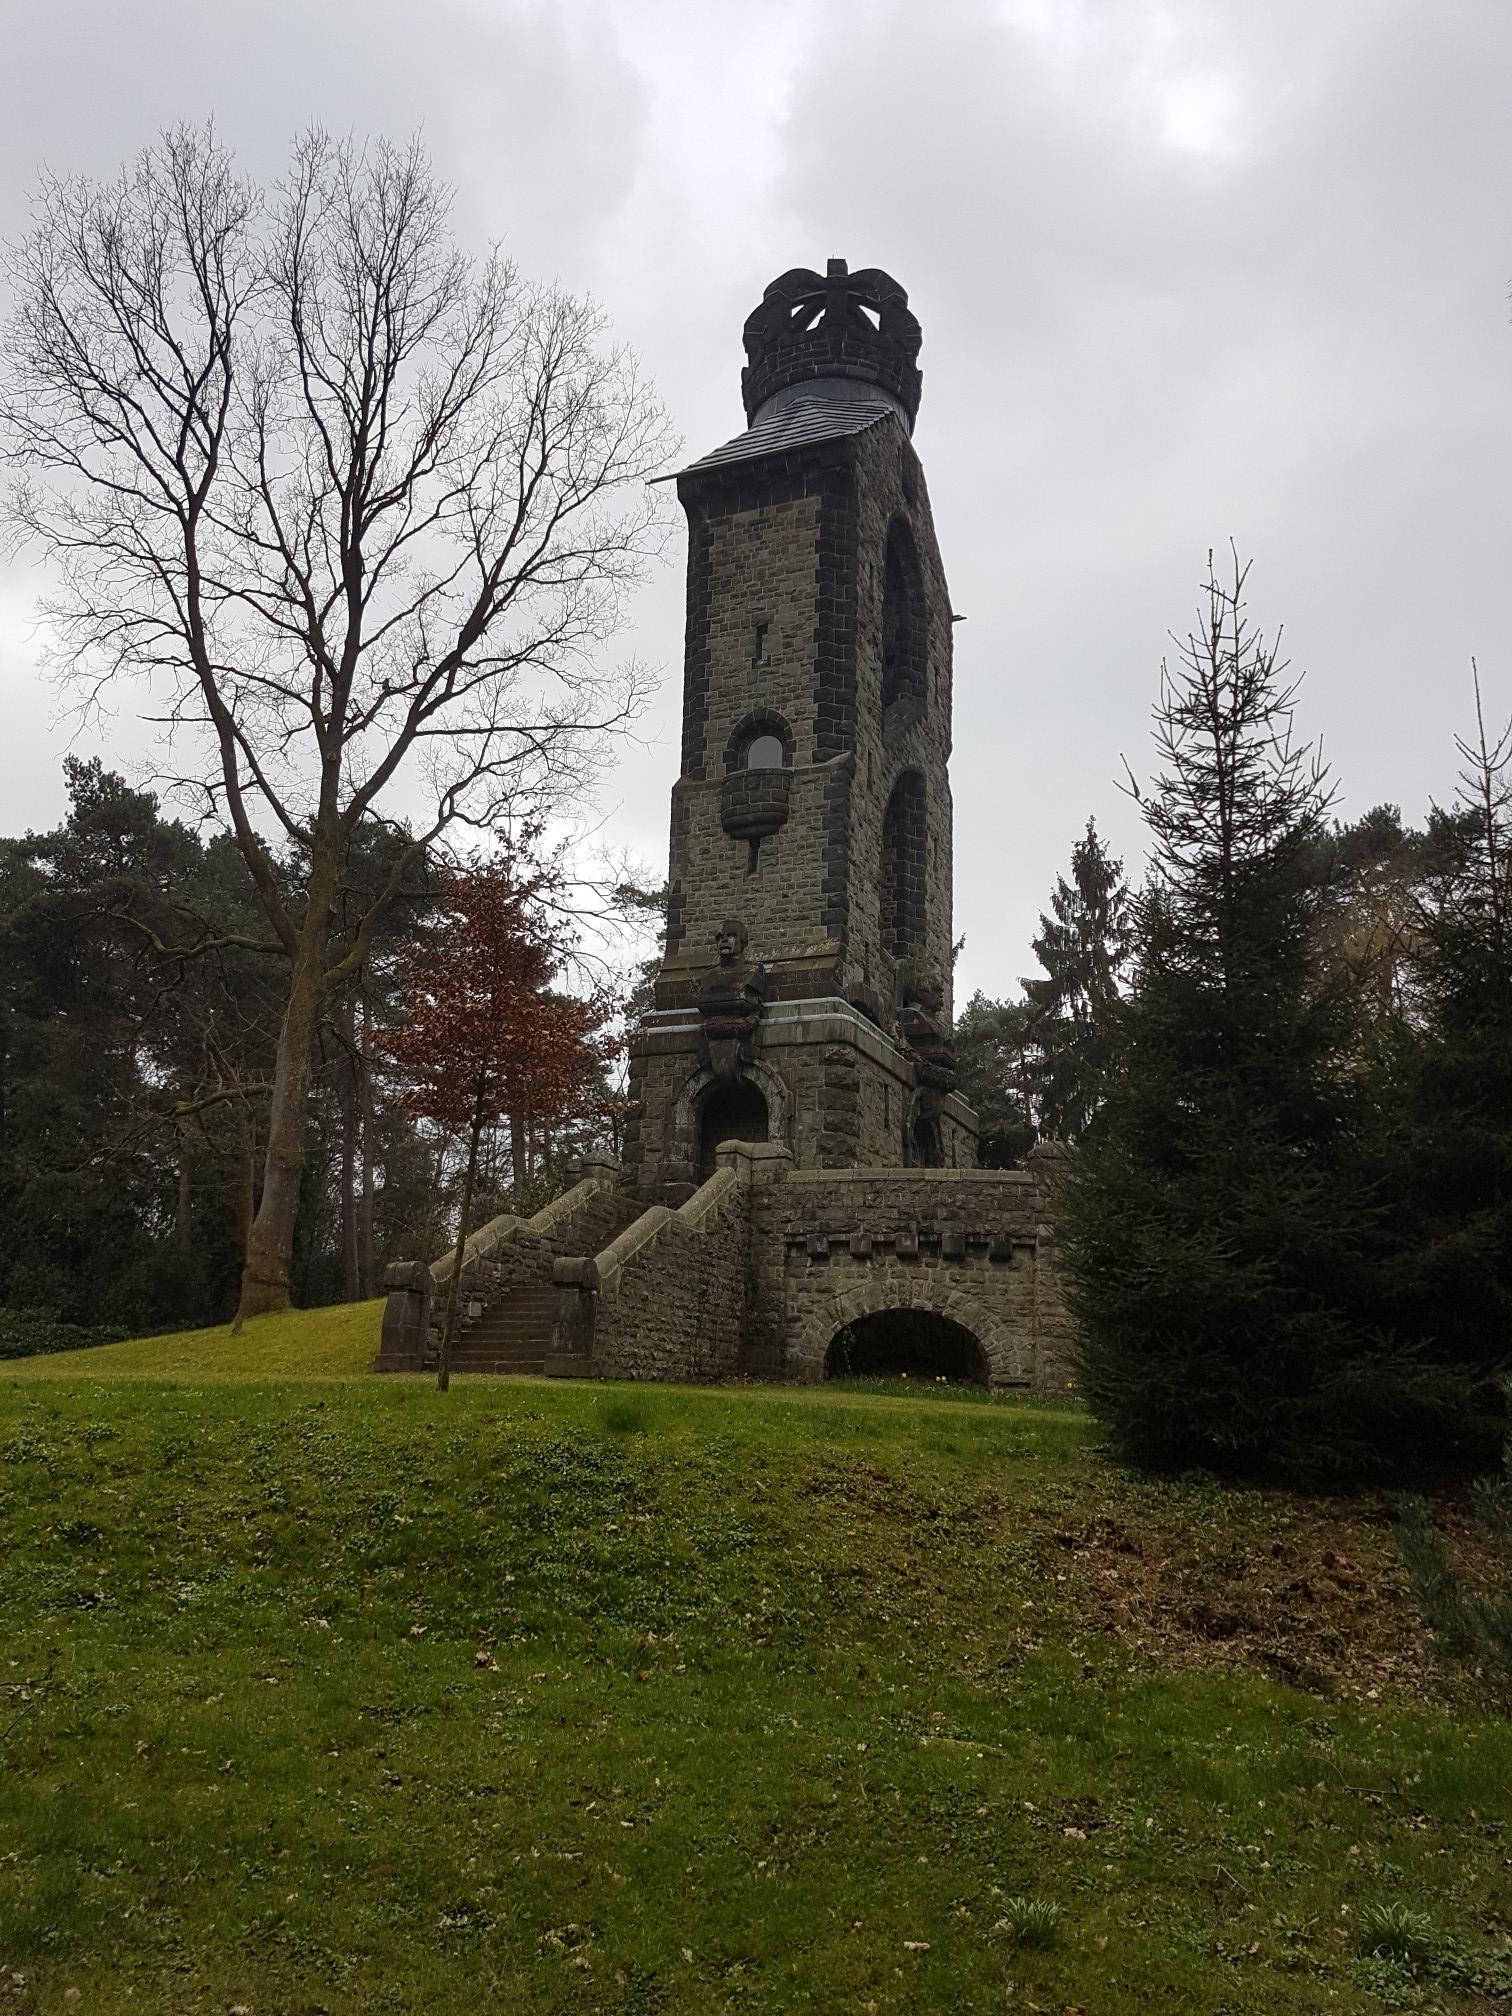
[{"x": 765, "y": 1263}]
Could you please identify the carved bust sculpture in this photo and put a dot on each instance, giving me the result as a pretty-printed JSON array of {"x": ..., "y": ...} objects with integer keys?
[{"x": 730, "y": 943}]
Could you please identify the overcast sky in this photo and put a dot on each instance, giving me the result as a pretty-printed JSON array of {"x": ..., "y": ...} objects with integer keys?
[{"x": 1185, "y": 272}]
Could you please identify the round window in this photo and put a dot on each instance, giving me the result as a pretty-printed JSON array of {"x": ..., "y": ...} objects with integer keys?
[{"x": 764, "y": 753}]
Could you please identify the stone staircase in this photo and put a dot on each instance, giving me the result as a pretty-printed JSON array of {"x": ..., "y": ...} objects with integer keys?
[
  {"x": 508, "y": 1305},
  {"x": 513, "y": 1333}
]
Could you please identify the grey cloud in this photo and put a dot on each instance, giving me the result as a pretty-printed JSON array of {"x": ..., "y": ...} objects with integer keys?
[{"x": 1185, "y": 270}]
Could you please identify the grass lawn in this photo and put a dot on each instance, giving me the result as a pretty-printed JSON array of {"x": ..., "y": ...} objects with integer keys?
[{"x": 336, "y": 1694}]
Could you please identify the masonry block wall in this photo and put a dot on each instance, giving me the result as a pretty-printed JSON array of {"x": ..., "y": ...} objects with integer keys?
[
  {"x": 973, "y": 1245},
  {"x": 812, "y": 812},
  {"x": 766, "y": 1265},
  {"x": 672, "y": 1308}
]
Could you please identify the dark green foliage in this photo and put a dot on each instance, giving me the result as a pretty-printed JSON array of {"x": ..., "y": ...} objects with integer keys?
[
  {"x": 37, "y": 1333},
  {"x": 1473, "y": 1623},
  {"x": 139, "y": 1007},
  {"x": 1453, "y": 1078},
  {"x": 1083, "y": 947},
  {"x": 113, "y": 1028},
  {"x": 996, "y": 1073},
  {"x": 1223, "y": 1239}
]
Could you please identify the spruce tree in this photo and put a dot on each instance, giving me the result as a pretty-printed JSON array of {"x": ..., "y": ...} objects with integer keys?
[
  {"x": 1220, "y": 1235},
  {"x": 1083, "y": 947},
  {"x": 1457, "y": 1080}
]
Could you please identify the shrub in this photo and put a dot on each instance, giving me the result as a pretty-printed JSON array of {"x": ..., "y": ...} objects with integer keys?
[{"x": 34, "y": 1333}]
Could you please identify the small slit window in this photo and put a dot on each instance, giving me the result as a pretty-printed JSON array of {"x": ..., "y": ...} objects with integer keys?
[{"x": 764, "y": 752}]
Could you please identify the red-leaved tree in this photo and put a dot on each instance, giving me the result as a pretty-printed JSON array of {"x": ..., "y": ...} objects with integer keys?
[{"x": 485, "y": 1031}]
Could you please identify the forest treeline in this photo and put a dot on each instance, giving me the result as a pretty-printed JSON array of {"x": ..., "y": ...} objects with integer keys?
[{"x": 139, "y": 1021}]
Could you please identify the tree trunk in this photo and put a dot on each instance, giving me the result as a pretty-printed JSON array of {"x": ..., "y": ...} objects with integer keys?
[
  {"x": 367, "y": 1206},
  {"x": 270, "y": 1242},
  {"x": 244, "y": 1182},
  {"x": 464, "y": 1226},
  {"x": 183, "y": 1228},
  {"x": 518, "y": 1152},
  {"x": 346, "y": 1093}
]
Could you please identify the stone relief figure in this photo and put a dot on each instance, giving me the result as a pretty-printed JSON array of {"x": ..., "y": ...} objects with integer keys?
[
  {"x": 730, "y": 1003},
  {"x": 921, "y": 1024}
]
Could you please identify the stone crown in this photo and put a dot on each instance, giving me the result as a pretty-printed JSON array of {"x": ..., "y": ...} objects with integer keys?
[{"x": 814, "y": 329}]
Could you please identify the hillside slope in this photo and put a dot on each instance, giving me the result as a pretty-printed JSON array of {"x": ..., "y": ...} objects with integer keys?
[{"x": 361, "y": 1698}]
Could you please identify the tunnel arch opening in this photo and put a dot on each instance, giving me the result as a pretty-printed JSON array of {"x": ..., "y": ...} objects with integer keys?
[{"x": 914, "y": 1344}]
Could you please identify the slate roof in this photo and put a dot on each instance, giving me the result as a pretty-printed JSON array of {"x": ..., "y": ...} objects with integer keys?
[{"x": 798, "y": 425}]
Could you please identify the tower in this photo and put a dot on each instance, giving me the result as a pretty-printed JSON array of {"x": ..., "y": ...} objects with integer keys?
[{"x": 804, "y": 992}]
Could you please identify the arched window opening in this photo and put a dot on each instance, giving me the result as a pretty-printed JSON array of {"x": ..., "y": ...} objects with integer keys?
[
  {"x": 905, "y": 657},
  {"x": 735, "y": 1112},
  {"x": 912, "y": 1344},
  {"x": 762, "y": 741},
  {"x": 904, "y": 844}
]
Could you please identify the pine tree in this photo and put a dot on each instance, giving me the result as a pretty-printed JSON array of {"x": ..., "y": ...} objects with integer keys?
[
  {"x": 1083, "y": 948},
  {"x": 1221, "y": 1238}
]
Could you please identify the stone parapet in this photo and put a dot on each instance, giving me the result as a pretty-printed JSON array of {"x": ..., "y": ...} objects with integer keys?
[{"x": 667, "y": 1298}]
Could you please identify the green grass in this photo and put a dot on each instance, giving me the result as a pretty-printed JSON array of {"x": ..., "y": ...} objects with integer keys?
[
  {"x": 568, "y": 1698},
  {"x": 336, "y": 1343}
]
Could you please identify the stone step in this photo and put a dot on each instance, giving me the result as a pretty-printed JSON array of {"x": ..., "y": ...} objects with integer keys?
[
  {"x": 501, "y": 1326},
  {"x": 536, "y": 1364}
]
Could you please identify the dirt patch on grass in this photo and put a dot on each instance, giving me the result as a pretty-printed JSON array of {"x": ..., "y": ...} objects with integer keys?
[{"x": 1310, "y": 1592}]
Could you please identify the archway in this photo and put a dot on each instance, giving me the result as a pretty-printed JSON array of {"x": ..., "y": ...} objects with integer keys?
[
  {"x": 680, "y": 1155},
  {"x": 1005, "y": 1347},
  {"x": 735, "y": 1112},
  {"x": 914, "y": 1344}
]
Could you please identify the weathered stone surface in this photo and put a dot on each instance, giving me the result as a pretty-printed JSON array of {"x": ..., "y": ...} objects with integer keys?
[{"x": 765, "y": 1264}]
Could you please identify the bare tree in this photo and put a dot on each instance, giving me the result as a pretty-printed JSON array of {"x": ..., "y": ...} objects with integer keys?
[{"x": 361, "y": 512}]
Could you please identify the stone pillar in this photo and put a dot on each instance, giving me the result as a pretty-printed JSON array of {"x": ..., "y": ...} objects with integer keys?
[
  {"x": 576, "y": 1282},
  {"x": 406, "y": 1317}
]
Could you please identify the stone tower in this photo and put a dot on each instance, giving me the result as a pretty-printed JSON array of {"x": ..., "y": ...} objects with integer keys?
[{"x": 804, "y": 993}]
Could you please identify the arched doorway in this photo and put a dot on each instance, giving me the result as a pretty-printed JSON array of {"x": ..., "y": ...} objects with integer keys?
[
  {"x": 735, "y": 1112},
  {"x": 915, "y": 1344}
]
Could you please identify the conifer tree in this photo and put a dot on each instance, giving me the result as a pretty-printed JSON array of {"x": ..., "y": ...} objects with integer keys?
[
  {"x": 1457, "y": 1085},
  {"x": 1220, "y": 1234},
  {"x": 997, "y": 1074},
  {"x": 1083, "y": 947}
]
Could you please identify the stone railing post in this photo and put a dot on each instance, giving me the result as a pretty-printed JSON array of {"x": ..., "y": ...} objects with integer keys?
[
  {"x": 576, "y": 1282},
  {"x": 406, "y": 1317}
]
